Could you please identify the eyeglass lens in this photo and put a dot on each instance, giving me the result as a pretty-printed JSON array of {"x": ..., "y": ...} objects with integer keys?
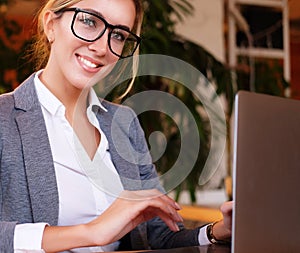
[{"x": 90, "y": 27}]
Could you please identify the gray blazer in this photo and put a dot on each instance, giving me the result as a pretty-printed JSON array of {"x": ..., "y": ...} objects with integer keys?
[{"x": 28, "y": 188}]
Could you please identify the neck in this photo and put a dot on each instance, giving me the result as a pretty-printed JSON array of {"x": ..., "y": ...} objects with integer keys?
[{"x": 69, "y": 95}]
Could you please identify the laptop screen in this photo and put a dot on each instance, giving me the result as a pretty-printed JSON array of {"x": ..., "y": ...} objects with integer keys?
[{"x": 266, "y": 174}]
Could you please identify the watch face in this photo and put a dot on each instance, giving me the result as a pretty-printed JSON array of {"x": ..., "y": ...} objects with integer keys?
[
  {"x": 209, "y": 233},
  {"x": 211, "y": 237}
]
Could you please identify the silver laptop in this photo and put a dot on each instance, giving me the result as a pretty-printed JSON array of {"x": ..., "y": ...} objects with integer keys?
[{"x": 266, "y": 174}]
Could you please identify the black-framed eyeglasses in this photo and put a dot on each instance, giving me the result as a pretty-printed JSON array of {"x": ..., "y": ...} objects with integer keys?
[{"x": 89, "y": 26}]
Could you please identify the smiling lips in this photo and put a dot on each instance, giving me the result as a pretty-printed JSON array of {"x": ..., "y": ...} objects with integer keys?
[{"x": 88, "y": 64}]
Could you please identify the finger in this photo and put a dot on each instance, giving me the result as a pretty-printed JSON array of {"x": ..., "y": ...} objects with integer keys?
[
  {"x": 168, "y": 207},
  {"x": 226, "y": 208},
  {"x": 171, "y": 202},
  {"x": 146, "y": 195},
  {"x": 154, "y": 212},
  {"x": 154, "y": 193},
  {"x": 151, "y": 203},
  {"x": 158, "y": 208},
  {"x": 149, "y": 194}
]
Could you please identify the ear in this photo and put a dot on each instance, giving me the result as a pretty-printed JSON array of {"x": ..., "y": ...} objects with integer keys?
[{"x": 48, "y": 22}]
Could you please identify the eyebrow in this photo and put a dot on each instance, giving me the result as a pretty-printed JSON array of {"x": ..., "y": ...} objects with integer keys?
[{"x": 100, "y": 15}]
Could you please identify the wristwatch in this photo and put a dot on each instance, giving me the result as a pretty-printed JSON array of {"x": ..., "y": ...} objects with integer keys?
[{"x": 210, "y": 235}]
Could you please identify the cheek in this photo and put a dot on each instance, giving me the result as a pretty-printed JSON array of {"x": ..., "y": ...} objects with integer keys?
[{"x": 113, "y": 59}]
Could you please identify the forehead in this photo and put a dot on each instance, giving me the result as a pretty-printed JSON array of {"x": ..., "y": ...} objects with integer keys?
[{"x": 116, "y": 12}]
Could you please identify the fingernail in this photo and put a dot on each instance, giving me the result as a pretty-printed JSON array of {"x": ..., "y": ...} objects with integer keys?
[
  {"x": 178, "y": 207},
  {"x": 176, "y": 226}
]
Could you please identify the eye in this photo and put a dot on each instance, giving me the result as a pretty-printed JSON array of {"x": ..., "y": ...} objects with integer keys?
[
  {"x": 87, "y": 20},
  {"x": 119, "y": 35}
]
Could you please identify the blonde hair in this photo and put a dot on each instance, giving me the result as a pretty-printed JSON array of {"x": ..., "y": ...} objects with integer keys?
[{"x": 41, "y": 47}]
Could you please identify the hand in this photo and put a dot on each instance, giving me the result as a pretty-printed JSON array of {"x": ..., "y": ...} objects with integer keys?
[
  {"x": 226, "y": 210},
  {"x": 222, "y": 229},
  {"x": 129, "y": 210}
]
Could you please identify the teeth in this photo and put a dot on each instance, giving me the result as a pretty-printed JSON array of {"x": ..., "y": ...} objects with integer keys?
[{"x": 87, "y": 63}]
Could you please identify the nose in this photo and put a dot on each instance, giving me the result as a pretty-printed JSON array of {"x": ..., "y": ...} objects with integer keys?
[{"x": 100, "y": 46}]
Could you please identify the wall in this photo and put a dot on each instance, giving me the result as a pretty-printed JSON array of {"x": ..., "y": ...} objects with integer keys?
[{"x": 206, "y": 26}]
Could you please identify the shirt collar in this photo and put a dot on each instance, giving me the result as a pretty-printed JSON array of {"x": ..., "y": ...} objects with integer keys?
[
  {"x": 51, "y": 103},
  {"x": 94, "y": 101}
]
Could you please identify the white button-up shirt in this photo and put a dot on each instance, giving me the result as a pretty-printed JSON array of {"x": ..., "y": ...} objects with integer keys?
[{"x": 81, "y": 198}]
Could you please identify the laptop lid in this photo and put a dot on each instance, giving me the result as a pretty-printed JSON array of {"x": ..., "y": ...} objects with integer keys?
[{"x": 266, "y": 174}]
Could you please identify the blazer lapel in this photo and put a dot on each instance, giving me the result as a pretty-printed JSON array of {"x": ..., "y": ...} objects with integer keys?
[
  {"x": 37, "y": 155},
  {"x": 128, "y": 172}
]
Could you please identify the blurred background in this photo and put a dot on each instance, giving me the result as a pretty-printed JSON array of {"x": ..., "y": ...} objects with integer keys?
[{"x": 251, "y": 45}]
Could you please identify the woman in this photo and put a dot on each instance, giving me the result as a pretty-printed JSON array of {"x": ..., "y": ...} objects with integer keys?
[{"x": 47, "y": 201}]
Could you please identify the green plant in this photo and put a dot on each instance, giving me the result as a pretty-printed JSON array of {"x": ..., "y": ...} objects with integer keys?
[{"x": 159, "y": 37}]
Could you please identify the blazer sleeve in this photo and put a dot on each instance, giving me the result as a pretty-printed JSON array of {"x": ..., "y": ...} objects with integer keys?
[
  {"x": 6, "y": 228},
  {"x": 7, "y": 236},
  {"x": 161, "y": 237}
]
